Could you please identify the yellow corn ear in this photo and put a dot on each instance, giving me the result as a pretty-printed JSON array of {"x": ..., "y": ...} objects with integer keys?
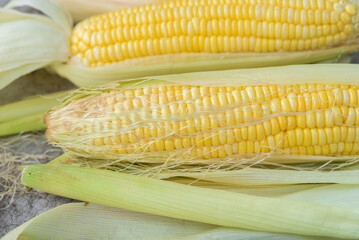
[
  {"x": 179, "y": 36},
  {"x": 193, "y": 26},
  {"x": 215, "y": 116}
]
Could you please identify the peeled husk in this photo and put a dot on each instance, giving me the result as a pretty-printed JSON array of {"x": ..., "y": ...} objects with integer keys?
[
  {"x": 302, "y": 215},
  {"x": 82, "y": 220},
  {"x": 31, "y": 41}
]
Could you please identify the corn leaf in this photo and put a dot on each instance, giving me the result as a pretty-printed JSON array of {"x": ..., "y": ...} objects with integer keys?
[
  {"x": 28, "y": 123},
  {"x": 32, "y": 41},
  {"x": 193, "y": 203},
  {"x": 191, "y": 62},
  {"x": 256, "y": 176},
  {"x": 28, "y": 114},
  {"x": 263, "y": 190},
  {"x": 91, "y": 221}
]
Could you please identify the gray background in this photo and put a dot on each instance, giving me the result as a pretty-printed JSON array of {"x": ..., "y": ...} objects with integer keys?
[
  {"x": 15, "y": 210},
  {"x": 25, "y": 206}
]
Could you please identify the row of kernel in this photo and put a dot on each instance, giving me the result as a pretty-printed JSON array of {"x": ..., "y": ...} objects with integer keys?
[
  {"x": 142, "y": 48},
  {"x": 235, "y": 150},
  {"x": 269, "y": 15}
]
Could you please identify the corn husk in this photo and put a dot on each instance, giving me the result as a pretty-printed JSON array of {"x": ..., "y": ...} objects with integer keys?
[
  {"x": 175, "y": 200},
  {"x": 32, "y": 41},
  {"x": 260, "y": 179},
  {"x": 81, "y": 9},
  {"x": 257, "y": 176},
  {"x": 192, "y": 62},
  {"x": 82, "y": 221},
  {"x": 27, "y": 115}
]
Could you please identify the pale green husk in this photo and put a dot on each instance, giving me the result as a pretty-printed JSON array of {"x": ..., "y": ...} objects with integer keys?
[
  {"x": 194, "y": 203},
  {"x": 258, "y": 177},
  {"x": 79, "y": 220},
  {"x": 91, "y": 221},
  {"x": 27, "y": 115},
  {"x": 192, "y": 62},
  {"x": 32, "y": 41}
]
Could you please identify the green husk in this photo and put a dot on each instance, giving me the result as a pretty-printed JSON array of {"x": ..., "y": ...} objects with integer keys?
[
  {"x": 192, "y": 62},
  {"x": 224, "y": 183},
  {"x": 83, "y": 221},
  {"x": 28, "y": 114},
  {"x": 193, "y": 203},
  {"x": 27, "y": 123},
  {"x": 259, "y": 177},
  {"x": 62, "y": 159}
]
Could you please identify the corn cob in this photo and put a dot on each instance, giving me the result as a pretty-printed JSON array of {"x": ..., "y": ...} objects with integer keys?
[
  {"x": 213, "y": 26},
  {"x": 225, "y": 116}
]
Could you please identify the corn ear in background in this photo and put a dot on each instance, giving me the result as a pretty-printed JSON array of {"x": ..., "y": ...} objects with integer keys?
[
  {"x": 163, "y": 39},
  {"x": 192, "y": 35}
]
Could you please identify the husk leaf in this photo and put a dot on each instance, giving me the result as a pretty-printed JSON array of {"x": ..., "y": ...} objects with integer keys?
[
  {"x": 28, "y": 114},
  {"x": 32, "y": 41},
  {"x": 83, "y": 221},
  {"x": 193, "y": 203},
  {"x": 258, "y": 177},
  {"x": 192, "y": 62},
  {"x": 32, "y": 122}
]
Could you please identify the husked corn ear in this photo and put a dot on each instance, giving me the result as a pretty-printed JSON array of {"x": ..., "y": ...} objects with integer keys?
[
  {"x": 214, "y": 26},
  {"x": 209, "y": 122}
]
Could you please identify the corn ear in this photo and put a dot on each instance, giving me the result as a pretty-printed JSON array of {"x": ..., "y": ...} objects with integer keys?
[
  {"x": 193, "y": 203},
  {"x": 152, "y": 40},
  {"x": 163, "y": 119}
]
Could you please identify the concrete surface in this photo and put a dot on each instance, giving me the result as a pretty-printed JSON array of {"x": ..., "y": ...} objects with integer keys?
[
  {"x": 17, "y": 209},
  {"x": 30, "y": 147}
]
